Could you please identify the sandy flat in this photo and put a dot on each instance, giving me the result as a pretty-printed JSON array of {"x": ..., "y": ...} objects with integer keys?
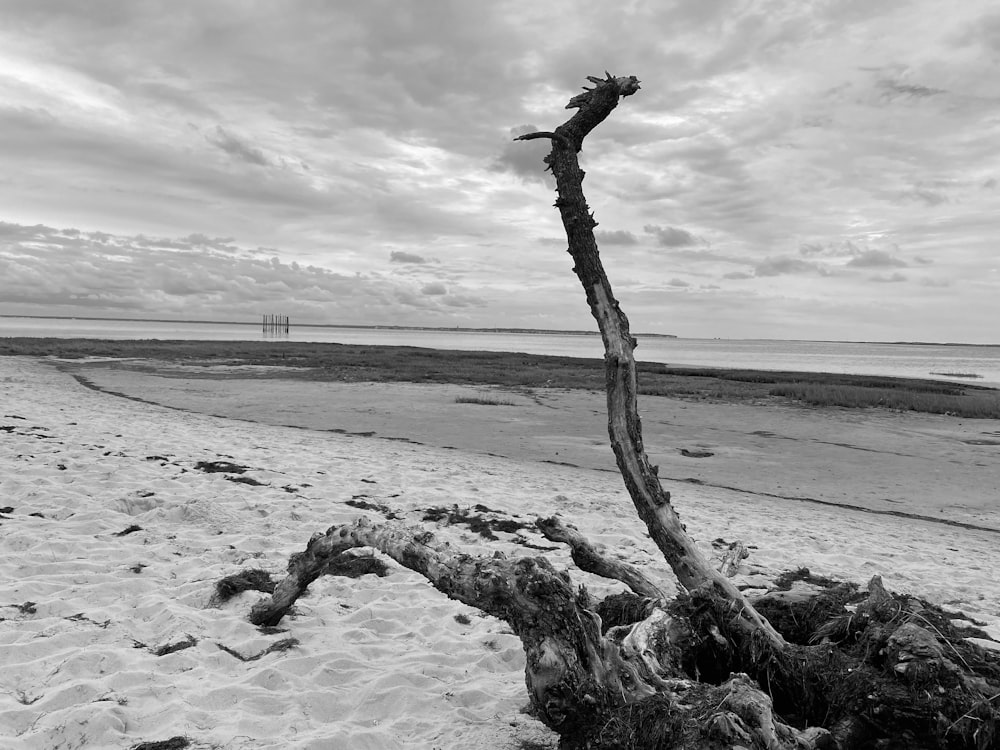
[
  {"x": 383, "y": 662},
  {"x": 931, "y": 465}
]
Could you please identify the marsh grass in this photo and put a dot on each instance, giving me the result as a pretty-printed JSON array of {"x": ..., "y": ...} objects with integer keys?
[
  {"x": 969, "y": 405},
  {"x": 483, "y": 401},
  {"x": 357, "y": 363}
]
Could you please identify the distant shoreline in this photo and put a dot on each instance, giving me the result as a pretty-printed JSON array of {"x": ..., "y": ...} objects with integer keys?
[
  {"x": 446, "y": 329},
  {"x": 484, "y": 329},
  {"x": 334, "y": 362}
]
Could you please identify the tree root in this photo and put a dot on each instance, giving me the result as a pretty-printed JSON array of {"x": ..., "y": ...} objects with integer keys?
[
  {"x": 579, "y": 679},
  {"x": 875, "y": 667}
]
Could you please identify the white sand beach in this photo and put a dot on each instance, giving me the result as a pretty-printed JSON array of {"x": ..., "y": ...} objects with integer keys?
[{"x": 383, "y": 663}]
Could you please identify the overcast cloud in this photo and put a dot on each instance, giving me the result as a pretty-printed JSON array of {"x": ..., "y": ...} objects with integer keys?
[{"x": 789, "y": 169}]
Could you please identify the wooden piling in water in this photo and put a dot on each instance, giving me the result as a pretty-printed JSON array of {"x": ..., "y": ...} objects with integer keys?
[{"x": 275, "y": 325}]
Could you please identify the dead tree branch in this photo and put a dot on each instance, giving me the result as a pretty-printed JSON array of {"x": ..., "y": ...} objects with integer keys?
[
  {"x": 692, "y": 568},
  {"x": 588, "y": 558}
]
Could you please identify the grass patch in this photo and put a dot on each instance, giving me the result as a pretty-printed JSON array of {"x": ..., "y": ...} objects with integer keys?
[
  {"x": 970, "y": 375},
  {"x": 483, "y": 401},
  {"x": 970, "y": 406},
  {"x": 357, "y": 363}
]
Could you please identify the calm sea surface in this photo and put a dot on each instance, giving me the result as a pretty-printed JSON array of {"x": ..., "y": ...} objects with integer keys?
[{"x": 901, "y": 360}]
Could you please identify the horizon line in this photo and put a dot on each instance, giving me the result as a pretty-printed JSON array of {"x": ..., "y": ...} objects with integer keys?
[{"x": 482, "y": 329}]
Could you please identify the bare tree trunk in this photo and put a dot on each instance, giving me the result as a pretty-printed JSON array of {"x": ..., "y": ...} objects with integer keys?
[{"x": 651, "y": 501}]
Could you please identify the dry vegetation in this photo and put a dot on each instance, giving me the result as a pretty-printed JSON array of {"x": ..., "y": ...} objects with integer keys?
[
  {"x": 356, "y": 363},
  {"x": 480, "y": 401}
]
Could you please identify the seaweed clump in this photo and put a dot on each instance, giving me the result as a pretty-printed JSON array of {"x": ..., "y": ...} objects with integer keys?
[
  {"x": 355, "y": 566},
  {"x": 476, "y": 522},
  {"x": 174, "y": 743},
  {"x": 251, "y": 579}
]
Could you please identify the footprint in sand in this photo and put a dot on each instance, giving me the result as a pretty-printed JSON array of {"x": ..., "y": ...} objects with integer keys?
[{"x": 137, "y": 503}]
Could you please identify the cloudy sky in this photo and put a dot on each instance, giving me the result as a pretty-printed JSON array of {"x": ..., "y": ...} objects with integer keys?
[{"x": 825, "y": 169}]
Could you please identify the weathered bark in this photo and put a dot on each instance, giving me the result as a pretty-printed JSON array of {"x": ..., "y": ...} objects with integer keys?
[
  {"x": 892, "y": 668},
  {"x": 652, "y": 502},
  {"x": 572, "y": 669},
  {"x": 579, "y": 681},
  {"x": 730, "y": 564},
  {"x": 588, "y": 558}
]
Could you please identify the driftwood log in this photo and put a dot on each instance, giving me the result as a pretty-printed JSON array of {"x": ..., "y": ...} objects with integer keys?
[
  {"x": 651, "y": 501},
  {"x": 575, "y": 672},
  {"x": 817, "y": 665}
]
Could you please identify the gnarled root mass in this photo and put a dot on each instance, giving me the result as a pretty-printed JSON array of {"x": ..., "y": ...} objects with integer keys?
[
  {"x": 591, "y": 687},
  {"x": 859, "y": 669}
]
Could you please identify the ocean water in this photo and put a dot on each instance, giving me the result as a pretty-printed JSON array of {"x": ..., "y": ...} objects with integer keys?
[{"x": 934, "y": 361}]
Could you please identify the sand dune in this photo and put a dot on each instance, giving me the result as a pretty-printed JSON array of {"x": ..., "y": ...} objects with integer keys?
[{"x": 375, "y": 662}]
